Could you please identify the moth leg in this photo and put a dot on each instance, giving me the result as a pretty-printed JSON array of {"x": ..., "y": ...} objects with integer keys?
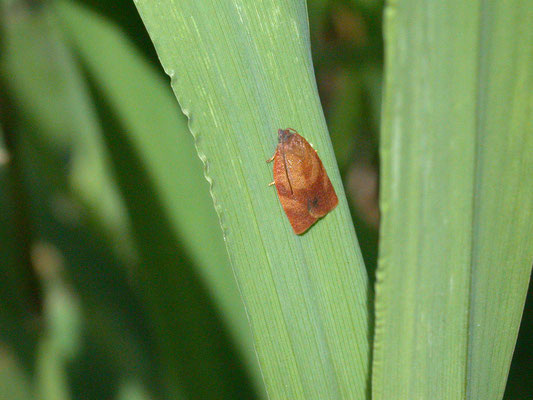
[
  {"x": 271, "y": 158},
  {"x": 272, "y": 183}
]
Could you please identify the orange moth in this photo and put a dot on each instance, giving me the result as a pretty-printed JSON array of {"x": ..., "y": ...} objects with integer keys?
[{"x": 304, "y": 189}]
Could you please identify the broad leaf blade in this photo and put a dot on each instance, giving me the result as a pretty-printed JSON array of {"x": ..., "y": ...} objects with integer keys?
[
  {"x": 242, "y": 70},
  {"x": 457, "y": 195}
]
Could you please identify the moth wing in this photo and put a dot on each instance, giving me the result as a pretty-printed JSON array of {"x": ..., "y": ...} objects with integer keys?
[
  {"x": 300, "y": 220},
  {"x": 293, "y": 203},
  {"x": 304, "y": 189},
  {"x": 321, "y": 194}
]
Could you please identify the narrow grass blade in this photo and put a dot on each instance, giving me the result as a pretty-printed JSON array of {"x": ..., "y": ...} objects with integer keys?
[
  {"x": 174, "y": 222},
  {"x": 51, "y": 123},
  {"x": 502, "y": 229},
  {"x": 457, "y": 198},
  {"x": 14, "y": 383},
  {"x": 19, "y": 301},
  {"x": 241, "y": 70}
]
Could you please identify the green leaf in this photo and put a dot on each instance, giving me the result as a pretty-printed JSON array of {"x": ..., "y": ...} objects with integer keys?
[
  {"x": 49, "y": 95},
  {"x": 15, "y": 292},
  {"x": 345, "y": 117},
  {"x": 53, "y": 122},
  {"x": 19, "y": 301},
  {"x": 241, "y": 70},
  {"x": 51, "y": 379},
  {"x": 457, "y": 198},
  {"x": 14, "y": 384},
  {"x": 174, "y": 222}
]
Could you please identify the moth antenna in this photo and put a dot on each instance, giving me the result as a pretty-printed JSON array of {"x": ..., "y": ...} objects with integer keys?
[{"x": 285, "y": 165}]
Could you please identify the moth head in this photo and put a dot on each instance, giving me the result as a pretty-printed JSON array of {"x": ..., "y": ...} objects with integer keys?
[{"x": 284, "y": 135}]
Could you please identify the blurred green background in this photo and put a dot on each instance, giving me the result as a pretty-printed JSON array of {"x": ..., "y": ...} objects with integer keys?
[{"x": 115, "y": 280}]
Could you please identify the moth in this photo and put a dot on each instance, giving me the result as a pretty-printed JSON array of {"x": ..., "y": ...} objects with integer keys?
[{"x": 304, "y": 189}]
